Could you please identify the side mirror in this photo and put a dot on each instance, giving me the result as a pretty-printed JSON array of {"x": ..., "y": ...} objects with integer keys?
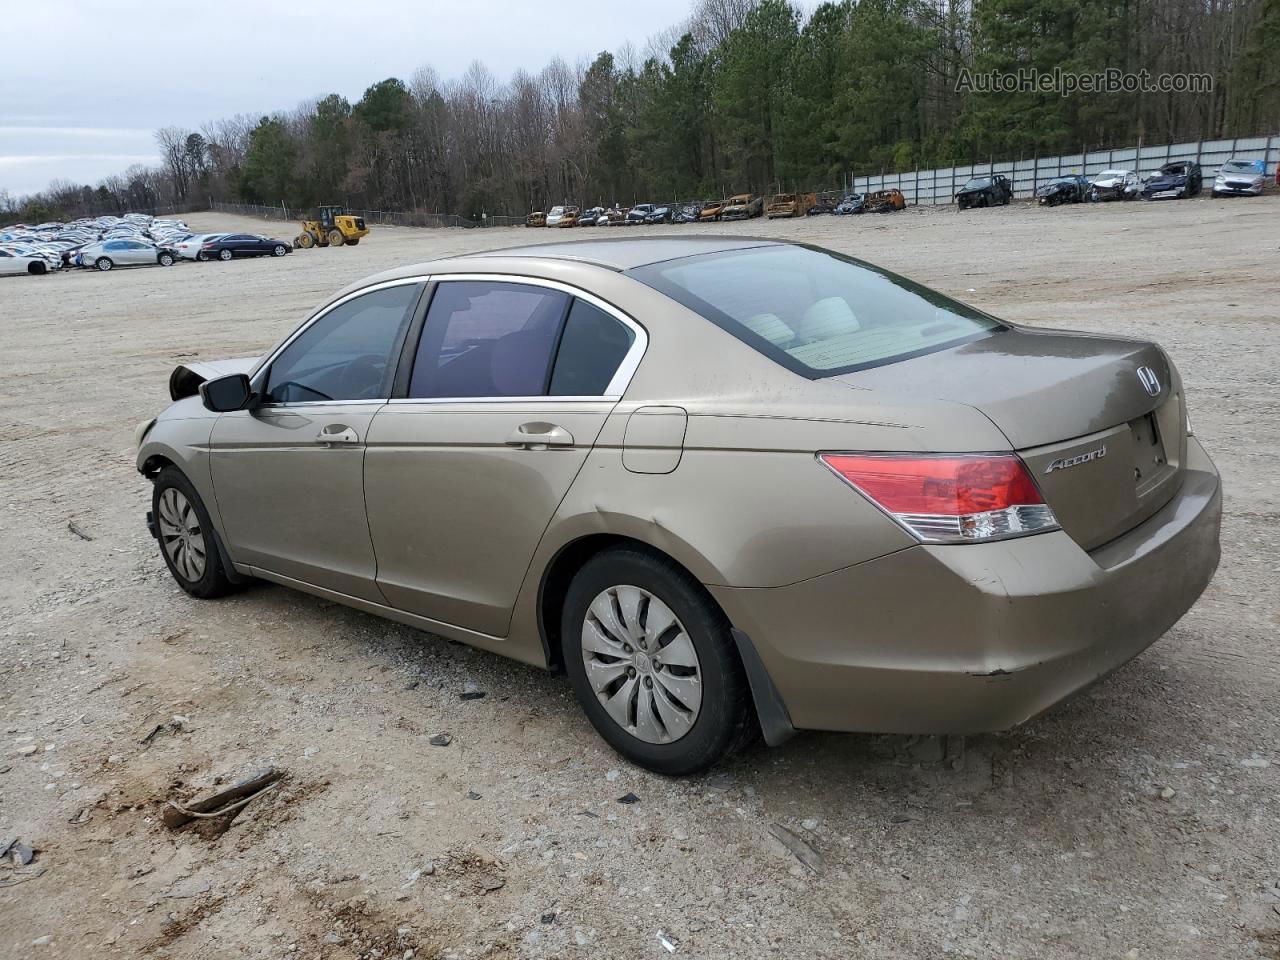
[{"x": 225, "y": 394}]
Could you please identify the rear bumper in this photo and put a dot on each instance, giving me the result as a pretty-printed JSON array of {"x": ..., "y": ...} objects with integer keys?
[{"x": 979, "y": 637}]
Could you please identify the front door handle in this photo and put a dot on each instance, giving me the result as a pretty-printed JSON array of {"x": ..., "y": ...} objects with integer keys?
[
  {"x": 337, "y": 435},
  {"x": 539, "y": 436}
]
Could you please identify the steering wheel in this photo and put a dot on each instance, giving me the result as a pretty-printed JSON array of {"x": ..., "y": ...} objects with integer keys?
[{"x": 361, "y": 379}]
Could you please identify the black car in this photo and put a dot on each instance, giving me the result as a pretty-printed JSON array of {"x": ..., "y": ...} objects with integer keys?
[
  {"x": 243, "y": 245},
  {"x": 985, "y": 192},
  {"x": 1072, "y": 188},
  {"x": 822, "y": 205},
  {"x": 1179, "y": 180},
  {"x": 852, "y": 203},
  {"x": 659, "y": 215}
]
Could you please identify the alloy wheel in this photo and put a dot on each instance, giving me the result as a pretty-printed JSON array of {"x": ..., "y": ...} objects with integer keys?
[
  {"x": 641, "y": 664},
  {"x": 181, "y": 535}
]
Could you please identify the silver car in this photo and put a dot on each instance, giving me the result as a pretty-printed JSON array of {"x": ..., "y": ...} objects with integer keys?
[{"x": 108, "y": 254}]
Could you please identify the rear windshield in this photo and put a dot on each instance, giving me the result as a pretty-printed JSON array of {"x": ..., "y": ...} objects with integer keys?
[{"x": 816, "y": 312}]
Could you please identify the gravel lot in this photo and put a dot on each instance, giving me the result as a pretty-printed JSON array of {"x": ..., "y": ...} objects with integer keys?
[{"x": 1140, "y": 820}]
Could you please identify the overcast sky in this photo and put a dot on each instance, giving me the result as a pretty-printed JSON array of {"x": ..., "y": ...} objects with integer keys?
[{"x": 86, "y": 85}]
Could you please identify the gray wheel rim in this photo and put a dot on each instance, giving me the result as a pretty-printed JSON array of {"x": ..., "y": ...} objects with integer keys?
[
  {"x": 181, "y": 535},
  {"x": 641, "y": 664}
]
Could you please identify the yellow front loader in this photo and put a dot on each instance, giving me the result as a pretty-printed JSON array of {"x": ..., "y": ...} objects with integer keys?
[{"x": 332, "y": 227}]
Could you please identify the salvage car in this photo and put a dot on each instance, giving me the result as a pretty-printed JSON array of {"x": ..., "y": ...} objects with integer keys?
[
  {"x": 189, "y": 248},
  {"x": 712, "y": 209},
  {"x": 744, "y": 206},
  {"x": 1245, "y": 178},
  {"x": 536, "y": 219},
  {"x": 790, "y": 205},
  {"x": 593, "y": 217},
  {"x": 556, "y": 215},
  {"x": 1072, "y": 188},
  {"x": 1115, "y": 185},
  {"x": 995, "y": 190},
  {"x": 232, "y": 245},
  {"x": 1178, "y": 180},
  {"x": 688, "y": 213},
  {"x": 569, "y": 218},
  {"x": 639, "y": 213},
  {"x": 659, "y": 215},
  {"x": 821, "y": 205},
  {"x": 617, "y": 217},
  {"x": 852, "y": 203},
  {"x": 109, "y": 254},
  {"x": 711, "y": 479},
  {"x": 25, "y": 263},
  {"x": 885, "y": 201}
]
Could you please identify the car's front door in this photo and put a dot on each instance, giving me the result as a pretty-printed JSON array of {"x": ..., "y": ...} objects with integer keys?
[
  {"x": 511, "y": 383},
  {"x": 137, "y": 252},
  {"x": 289, "y": 475}
]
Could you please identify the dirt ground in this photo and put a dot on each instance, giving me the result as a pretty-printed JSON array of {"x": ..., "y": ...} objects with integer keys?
[{"x": 1140, "y": 820}]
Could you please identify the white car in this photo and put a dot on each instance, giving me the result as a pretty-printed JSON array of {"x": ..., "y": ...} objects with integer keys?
[
  {"x": 124, "y": 253},
  {"x": 24, "y": 263},
  {"x": 1115, "y": 185},
  {"x": 189, "y": 249},
  {"x": 555, "y": 216}
]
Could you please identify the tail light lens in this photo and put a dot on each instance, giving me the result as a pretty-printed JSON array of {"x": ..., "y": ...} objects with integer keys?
[{"x": 949, "y": 499}]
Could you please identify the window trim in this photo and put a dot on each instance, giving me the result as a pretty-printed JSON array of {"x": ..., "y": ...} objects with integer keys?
[
  {"x": 621, "y": 377},
  {"x": 258, "y": 379}
]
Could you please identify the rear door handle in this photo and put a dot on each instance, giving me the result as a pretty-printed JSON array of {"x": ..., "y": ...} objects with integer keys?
[
  {"x": 337, "y": 435},
  {"x": 537, "y": 435}
]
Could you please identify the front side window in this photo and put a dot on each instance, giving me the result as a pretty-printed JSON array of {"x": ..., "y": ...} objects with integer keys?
[
  {"x": 486, "y": 338},
  {"x": 815, "y": 312},
  {"x": 348, "y": 353}
]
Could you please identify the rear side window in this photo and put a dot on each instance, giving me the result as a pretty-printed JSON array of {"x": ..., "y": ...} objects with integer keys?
[
  {"x": 486, "y": 338},
  {"x": 346, "y": 354},
  {"x": 815, "y": 312},
  {"x": 592, "y": 348}
]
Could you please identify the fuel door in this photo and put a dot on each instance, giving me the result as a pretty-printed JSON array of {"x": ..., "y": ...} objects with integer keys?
[{"x": 654, "y": 439}]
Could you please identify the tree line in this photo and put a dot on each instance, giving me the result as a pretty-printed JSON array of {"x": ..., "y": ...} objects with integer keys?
[{"x": 744, "y": 95}]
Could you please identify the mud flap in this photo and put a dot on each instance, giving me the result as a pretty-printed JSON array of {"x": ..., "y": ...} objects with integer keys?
[{"x": 775, "y": 721}]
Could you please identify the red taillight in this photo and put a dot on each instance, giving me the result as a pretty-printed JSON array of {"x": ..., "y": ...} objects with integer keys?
[
  {"x": 949, "y": 498},
  {"x": 206, "y": 246}
]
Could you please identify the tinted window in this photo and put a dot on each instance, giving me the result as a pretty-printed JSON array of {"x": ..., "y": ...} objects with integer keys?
[
  {"x": 816, "y": 312},
  {"x": 347, "y": 353},
  {"x": 486, "y": 338},
  {"x": 591, "y": 348}
]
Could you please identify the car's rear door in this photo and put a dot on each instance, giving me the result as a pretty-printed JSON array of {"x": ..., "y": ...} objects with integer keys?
[
  {"x": 289, "y": 475},
  {"x": 506, "y": 390}
]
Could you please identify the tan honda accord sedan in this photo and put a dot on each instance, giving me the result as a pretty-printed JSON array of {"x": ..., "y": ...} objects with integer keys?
[{"x": 730, "y": 486}]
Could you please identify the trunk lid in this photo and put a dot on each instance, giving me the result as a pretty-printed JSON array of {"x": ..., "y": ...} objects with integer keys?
[{"x": 1104, "y": 441}]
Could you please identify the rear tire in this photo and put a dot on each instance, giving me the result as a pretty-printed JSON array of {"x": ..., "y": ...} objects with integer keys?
[
  {"x": 225, "y": 255},
  {"x": 187, "y": 539},
  {"x": 698, "y": 706}
]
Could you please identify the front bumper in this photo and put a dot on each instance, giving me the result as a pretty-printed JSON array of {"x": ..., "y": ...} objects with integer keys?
[
  {"x": 1239, "y": 190},
  {"x": 974, "y": 638}
]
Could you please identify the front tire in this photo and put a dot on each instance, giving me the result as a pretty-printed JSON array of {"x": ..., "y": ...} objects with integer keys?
[
  {"x": 186, "y": 537},
  {"x": 278, "y": 250},
  {"x": 336, "y": 239},
  {"x": 653, "y": 663},
  {"x": 165, "y": 260}
]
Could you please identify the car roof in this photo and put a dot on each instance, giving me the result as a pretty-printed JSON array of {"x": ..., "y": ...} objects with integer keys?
[
  {"x": 614, "y": 254},
  {"x": 626, "y": 253}
]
